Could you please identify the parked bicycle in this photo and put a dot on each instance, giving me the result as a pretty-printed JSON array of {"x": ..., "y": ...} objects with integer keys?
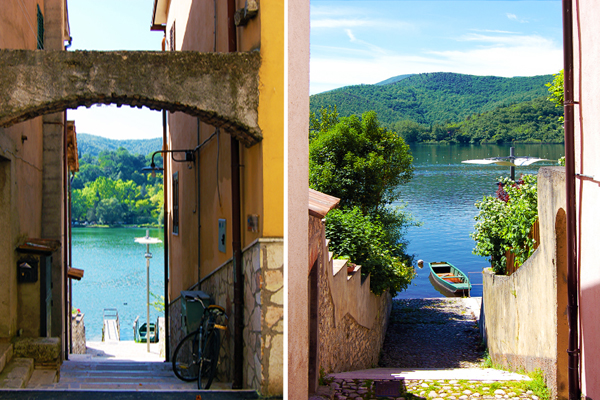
[{"x": 197, "y": 355}]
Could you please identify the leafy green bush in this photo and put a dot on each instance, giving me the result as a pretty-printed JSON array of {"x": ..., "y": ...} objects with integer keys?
[
  {"x": 359, "y": 162},
  {"x": 504, "y": 222},
  {"x": 362, "y": 163},
  {"x": 366, "y": 241}
]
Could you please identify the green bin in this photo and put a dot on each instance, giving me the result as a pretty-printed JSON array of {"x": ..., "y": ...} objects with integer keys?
[{"x": 192, "y": 309}]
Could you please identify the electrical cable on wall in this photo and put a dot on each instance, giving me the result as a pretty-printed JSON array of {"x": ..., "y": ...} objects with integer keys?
[
  {"x": 29, "y": 22},
  {"x": 20, "y": 158}
]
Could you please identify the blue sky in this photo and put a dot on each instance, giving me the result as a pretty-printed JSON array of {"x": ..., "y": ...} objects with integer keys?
[
  {"x": 352, "y": 42},
  {"x": 114, "y": 25}
]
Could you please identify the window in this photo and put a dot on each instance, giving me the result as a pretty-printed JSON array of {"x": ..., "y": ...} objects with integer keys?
[
  {"x": 172, "y": 43},
  {"x": 176, "y": 203},
  {"x": 40, "y": 27}
]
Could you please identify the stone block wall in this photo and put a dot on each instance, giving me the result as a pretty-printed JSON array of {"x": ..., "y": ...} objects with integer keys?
[
  {"x": 352, "y": 321},
  {"x": 347, "y": 345},
  {"x": 219, "y": 285},
  {"x": 78, "y": 332},
  {"x": 263, "y": 316}
]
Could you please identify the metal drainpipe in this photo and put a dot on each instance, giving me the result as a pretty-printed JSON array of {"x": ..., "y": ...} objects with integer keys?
[
  {"x": 65, "y": 296},
  {"x": 238, "y": 289},
  {"x": 572, "y": 273},
  {"x": 166, "y": 239},
  {"x": 197, "y": 165}
]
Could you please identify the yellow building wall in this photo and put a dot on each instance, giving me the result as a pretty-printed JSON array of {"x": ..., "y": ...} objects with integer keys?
[{"x": 261, "y": 169}]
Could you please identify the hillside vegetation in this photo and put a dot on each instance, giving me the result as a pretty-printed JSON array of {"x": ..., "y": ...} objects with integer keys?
[
  {"x": 534, "y": 121},
  {"x": 93, "y": 145},
  {"x": 110, "y": 188},
  {"x": 438, "y": 107}
]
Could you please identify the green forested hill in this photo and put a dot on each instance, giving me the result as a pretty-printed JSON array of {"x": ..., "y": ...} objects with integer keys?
[
  {"x": 432, "y": 97},
  {"x": 532, "y": 121},
  {"x": 93, "y": 145}
]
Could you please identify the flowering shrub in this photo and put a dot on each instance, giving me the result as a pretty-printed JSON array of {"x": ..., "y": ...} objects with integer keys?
[{"x": 504, "y": 222}]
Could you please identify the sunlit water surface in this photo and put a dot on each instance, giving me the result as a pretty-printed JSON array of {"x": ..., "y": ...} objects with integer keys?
[
  {"x": 115, "y": 276},
  {"x": 442, "y": 195}
]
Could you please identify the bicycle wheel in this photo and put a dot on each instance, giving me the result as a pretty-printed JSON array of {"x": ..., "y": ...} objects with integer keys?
[
  {"x": 209, "y": 359},
  {"x": 186, "y": 361}
]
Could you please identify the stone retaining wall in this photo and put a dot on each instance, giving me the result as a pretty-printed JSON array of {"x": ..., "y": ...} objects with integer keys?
[
  {"x": 352, "y": 321},
  {"x": 78, "y": 334},
  {"x": 347, "y": 345},
  {"x": 263, "y": 316}
]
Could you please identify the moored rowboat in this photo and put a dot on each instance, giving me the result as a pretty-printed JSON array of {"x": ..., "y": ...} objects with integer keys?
[{"x": 449, "y": 280}]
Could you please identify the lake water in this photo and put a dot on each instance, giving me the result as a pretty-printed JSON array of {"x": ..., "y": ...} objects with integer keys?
[
  {"x": 442, "y": 194},
  {"x": 115, "y": 276}
]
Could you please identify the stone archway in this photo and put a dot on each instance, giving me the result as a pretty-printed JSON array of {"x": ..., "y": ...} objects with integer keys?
[{"x": 219, "y": 89}]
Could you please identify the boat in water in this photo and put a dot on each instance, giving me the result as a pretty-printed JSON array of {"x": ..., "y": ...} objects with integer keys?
[{"x": 449, "y": 280}]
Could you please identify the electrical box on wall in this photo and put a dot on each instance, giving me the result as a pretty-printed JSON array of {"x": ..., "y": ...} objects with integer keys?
[
  {"x": 253, "y": 222},
  {"x": 27, "y": 270},
  {"x": 222, "y": 235}
]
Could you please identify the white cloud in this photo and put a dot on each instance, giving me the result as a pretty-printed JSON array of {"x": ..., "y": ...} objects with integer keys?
[
  {"x": 339, "y": 23},
  {"x": 350, "y": 35},
  {"x": 513, "y": 17},
  {"x": 506, "y": 56}
]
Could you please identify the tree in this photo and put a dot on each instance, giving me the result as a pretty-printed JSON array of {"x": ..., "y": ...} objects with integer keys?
[
  {"x": 360, "y": 162},
  {"x": 363, "y": 164},
  {"x": 109, "y": 211},
  {"x": 557, "y": 91}
]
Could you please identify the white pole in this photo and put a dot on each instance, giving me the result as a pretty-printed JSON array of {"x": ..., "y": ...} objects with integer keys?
[
  {"x": 148, "y": 293},
  {"x": 148, "y": 298}
]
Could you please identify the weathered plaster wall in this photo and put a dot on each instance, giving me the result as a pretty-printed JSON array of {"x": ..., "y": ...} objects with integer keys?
[
  {"x": 21, "y": 170},
  {"x": 587, "y": 162},
  {"x": 525, "y": 313}
]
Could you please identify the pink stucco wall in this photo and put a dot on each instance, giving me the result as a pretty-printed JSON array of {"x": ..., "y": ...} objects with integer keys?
[
  {"x": 587, "y": 145},
  {"x": 296, "y": 200}
]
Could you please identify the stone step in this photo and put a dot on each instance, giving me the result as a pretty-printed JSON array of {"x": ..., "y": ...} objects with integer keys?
[
  {"x": 6, "y": 353},
  {"x": 45, "y": 351},
  {"x": 115, "y": 366},
  {"x": 42, "y": 378},
  {"x": 92, "y": 378},
  {"x": 16, "y": 374},
  {"x": 92, "y": 373},
  {"x": 116, "y": 394}
]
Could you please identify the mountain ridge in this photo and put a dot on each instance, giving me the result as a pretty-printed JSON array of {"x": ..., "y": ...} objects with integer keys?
[
  {"x": 431, "y": 98},
  {"x": 93, "y": 145}
]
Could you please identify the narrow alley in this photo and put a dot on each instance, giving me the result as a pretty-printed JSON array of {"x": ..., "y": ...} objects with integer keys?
[{"x": 432, "y": 350}]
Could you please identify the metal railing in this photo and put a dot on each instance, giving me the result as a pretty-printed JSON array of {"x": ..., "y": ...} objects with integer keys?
[{"x": 475, "y": 284}]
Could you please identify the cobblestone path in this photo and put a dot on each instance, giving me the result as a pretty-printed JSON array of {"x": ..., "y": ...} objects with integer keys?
[
  {"x": 431, "y": 333},
  {"x": 438, "y": 334}
]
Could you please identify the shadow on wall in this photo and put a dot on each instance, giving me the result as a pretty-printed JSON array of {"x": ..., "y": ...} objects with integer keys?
[{"x": 590, "y": 332}]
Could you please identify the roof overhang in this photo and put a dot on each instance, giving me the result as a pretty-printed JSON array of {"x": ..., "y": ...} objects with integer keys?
[
  {"x": 319, "y": 204},
  {"x": 160, "y": 12}
]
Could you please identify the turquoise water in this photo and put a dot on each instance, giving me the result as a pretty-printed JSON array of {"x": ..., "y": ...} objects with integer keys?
[
  {"x": 115, "y": 276},
  {"x": 442, "y": 195}
]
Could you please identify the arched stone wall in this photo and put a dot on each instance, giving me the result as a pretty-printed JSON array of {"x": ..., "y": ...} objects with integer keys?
[{"x": 220, "y": 89}]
